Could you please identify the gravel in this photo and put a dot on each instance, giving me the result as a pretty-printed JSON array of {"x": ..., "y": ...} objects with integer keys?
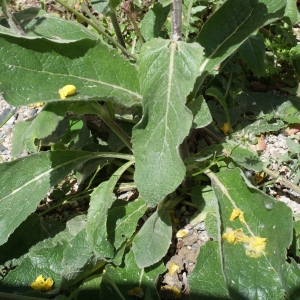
[{"x": 21, "y": 113}]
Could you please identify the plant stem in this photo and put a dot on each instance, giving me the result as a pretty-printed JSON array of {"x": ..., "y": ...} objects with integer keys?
[
  {"x": 116, "y": 26},
  {"x": 99, "y": 110},
  {"x": 212, "y": 135},
  {"x": 282, "y": 180},
  {"x": 266, "y": 32},
  {"x": 66, "y": 200},
  {"x": 90, "y": 22},
  {"x": 188, "y": 15},
  {"x": 129, "y": 8},
  {"x": 118, "y": 163},
  {"x": 110, "y": 109},
  {"x": 8, "y": 117},
  {"x": 176, "y": 19},
  {"x": 12, "y": 22}
]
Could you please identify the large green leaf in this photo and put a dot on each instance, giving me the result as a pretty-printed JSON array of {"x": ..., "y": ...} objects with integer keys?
[
  {"x": 78, "y": 260},
  {"x": 34, "y": 69},
  {"x": 153, "y": 240},
  {"x": 36, "y": 22},
  {"x": 253, "y": 52},
  {"x": 153, "y": 21},
  {"x": 168, "y": 70},
  {"x": 207, "y": 281},
  {"x": 291, "y": 15},
  {"x": 122, "y": 221},
  {"x": 53, "y": 258},
  {"x": 25, "y": 181},
  {"x": 26, "y": 132},
  {"x": 118, "y": 282},
  {"x": 101, "y": 200},
  {"x": 231, "y": 24},
  {"x": 22, "y": 239},
  {"x": 201, "y": 113},
  {"x": 251, "y": 273}
]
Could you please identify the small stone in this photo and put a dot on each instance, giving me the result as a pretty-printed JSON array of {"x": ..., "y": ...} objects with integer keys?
[{"x": 200, "y": 226}]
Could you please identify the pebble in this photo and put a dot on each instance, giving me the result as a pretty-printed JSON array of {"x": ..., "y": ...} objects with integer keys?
[{"x": 6, "y": 131}]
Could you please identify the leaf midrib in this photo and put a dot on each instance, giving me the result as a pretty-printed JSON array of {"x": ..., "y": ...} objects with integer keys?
[{"x": 79, "y": 77}]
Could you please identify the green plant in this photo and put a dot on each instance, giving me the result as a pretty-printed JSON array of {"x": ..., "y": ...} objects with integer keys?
[{"x": 106, "y": 251}]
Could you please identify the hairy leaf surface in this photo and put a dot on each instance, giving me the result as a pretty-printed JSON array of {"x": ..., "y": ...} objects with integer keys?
[
  {"x": 113, "y": 284},
  {"x": 230, "y": 25},
  {"x": 153, "y": 240},
  {"x": 101, "y": 200},
  {"x": 33, "y": 69},
  {"x": 36, "y": 174},
  {"x": 167, "y": 74},
  {"x": 249, "y": 277}
]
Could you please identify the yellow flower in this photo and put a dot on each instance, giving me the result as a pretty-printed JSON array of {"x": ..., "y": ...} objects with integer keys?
[
  {"x": 37, "y": 105},
  {"x": 137, "y": 291},
  {"x": 226, "y": 128},
  {"x": 235, "y": 236},
  {"x": 42, "y": 284},
  {"x": 176, "y": 292},
  {"x": 173, "y": 268},
  {"x": 67, "y": 90},
  {"x": 259, "y": 177},
  {"x": 255, "y": 247},
  {"x": 236, "y": 212},
  {"x": 181, "y": 233}
]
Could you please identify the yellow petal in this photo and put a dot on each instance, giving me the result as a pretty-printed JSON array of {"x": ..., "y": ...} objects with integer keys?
[
  {"x": 42, "y": 284},
  {"x": 229, "y": 235},
  {"x": 137, "y": 291},
  {"x": 226, "y": 129},
  {"x": 173, "y": 268},
  {"x": 172, "y": 215},
  {"x": 37, "y": 105},
  {"x": 255, "y": 247},
  {"x": 174, "y": 289},
  {"x": 236, "y": 212},
  {"x": 181, "y": 233},
  {"x": 235, "y": 236},
  {"x": 67, "y": 90},
  {"x": 259, "y": 177},
  {"x": 240, "y": 236}
]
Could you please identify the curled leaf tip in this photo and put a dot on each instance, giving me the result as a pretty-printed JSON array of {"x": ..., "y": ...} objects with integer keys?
[
  {"x": 42, "y": 284},
  {"x": 236, "y": 212},
  {"x": 67, "y": 90},
  {"x": 137, "y": 292}
]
